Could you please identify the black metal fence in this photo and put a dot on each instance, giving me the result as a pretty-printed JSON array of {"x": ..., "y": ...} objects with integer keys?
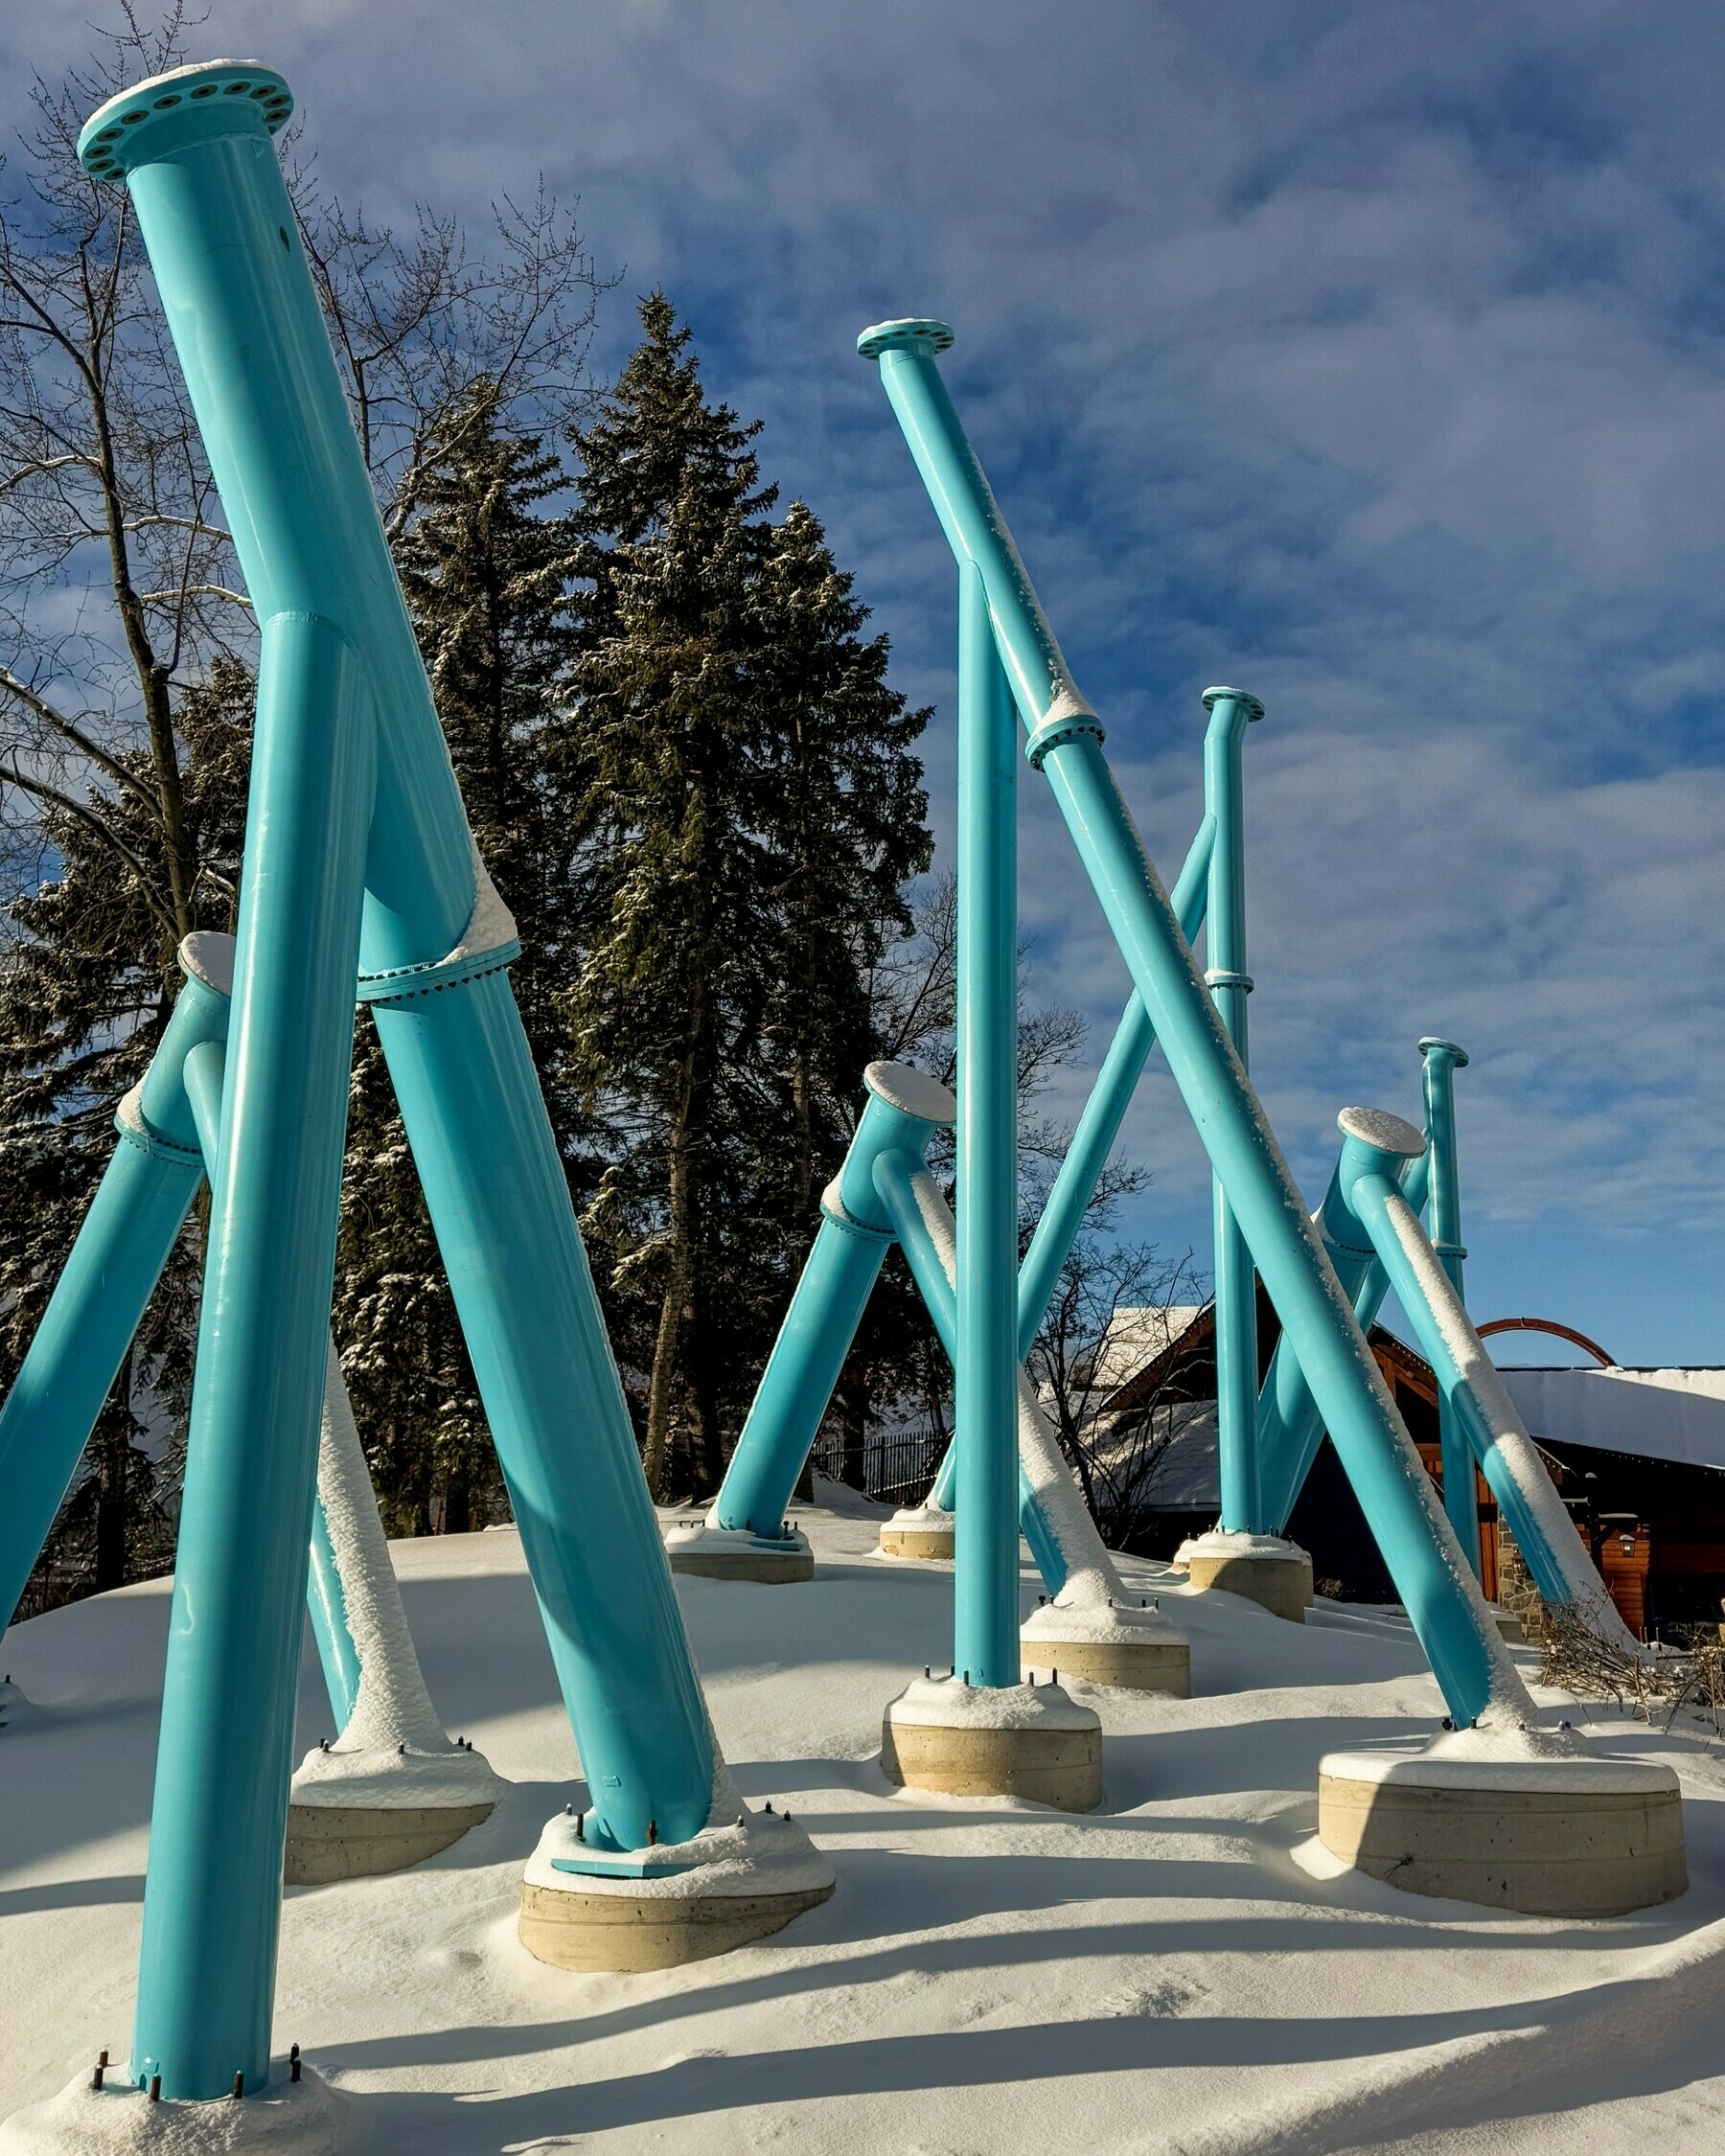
[{"x": 895, "y": 1466}]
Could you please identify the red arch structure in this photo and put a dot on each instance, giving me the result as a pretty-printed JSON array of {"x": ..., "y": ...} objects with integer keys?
[{"x": 1549, "y": 1325}]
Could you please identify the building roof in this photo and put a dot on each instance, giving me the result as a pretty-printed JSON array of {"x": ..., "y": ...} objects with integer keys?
[{"x": 1657, "y": 1414}]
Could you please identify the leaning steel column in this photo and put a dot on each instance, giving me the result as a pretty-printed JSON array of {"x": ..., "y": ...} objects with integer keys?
[
  {"x": 985, "y": 1378},
  {"x": 105, "y": 1287},
  {"x": 1290, "y": 1423},
  {"x": 1435, "y": 1586},
  {"x": 1443, "y": 1059},
  {"x": 347, "y": 726},
  {"x": 206, "y": 1974},
  {"x": 903, "y": 1109},
  {"x": 1236, "y": 1288}
]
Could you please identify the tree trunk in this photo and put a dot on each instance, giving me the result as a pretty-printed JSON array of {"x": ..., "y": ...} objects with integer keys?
[{"x": 114, "y": 1439}]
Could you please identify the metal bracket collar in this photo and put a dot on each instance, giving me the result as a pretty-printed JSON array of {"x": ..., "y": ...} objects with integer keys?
[
  {"x": 1221, "y": 976},
  {"x": 1070, "y": 719},
  {"x": 488, "y": 944},
  {"x": 133, "y": 1127},
  {"x": 833, "y": 1209}
]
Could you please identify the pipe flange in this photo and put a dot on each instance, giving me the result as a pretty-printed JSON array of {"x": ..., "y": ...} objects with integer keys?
[
  {"x": 917, "y": 333},
  {"x": 180, "y": 106},
  {"x": 1070, "y": 719},
  {"x": 488, "y": 944},
  {"x": 833, "y": 1209},
  {"x": 1249, "y": 704},
  {"x": 1220, "y": 976},
  {"x": 132, "y": 1126}
]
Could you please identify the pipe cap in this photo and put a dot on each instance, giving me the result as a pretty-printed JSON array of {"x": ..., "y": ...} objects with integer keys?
[
  {"x": 211, "y": 97},
  {"x": 1432, "y": 1044},
  {"x": 207, "y": 955},
  {"x": 1382, "y": 1132},
  {"x": 917, "y": 334},
  {"x": 912, "y": 1093}
]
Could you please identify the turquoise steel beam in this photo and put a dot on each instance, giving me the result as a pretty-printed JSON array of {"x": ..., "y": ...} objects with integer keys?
[
  {"x": 1080, "y": 1170},
  {"x": 1555, "y": 1555},
  {"x": 985, "y": 1599},
  {"x": 1290, "y": 1422},
  {"x": 212, "y": 1892},
  {"x": 105, "y": 1287},
  {"x": 495, "y": 1189},
  {"x": 1443, "y": 1059},
  {"x": 326, "y": 1604},
  {"x": 1432, "y": 1576},
  {"x": 205, "y": 1072},
  {"x": 903, "y": 1109},
  {"x": 923, "y": 1224},
  {"x": 1230, "y": 984},
  {"x": 353, "y": 794}
]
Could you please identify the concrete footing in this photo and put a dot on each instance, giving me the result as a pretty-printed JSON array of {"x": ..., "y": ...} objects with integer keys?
[
  {"x": 1509, "y": 1624},
  {"x": 1135, "y": 1650},
  {"x": 710, "y": 1553},
  {"x": 590, "y": 1933},
  {"x": 328, "y": 1842},
  {"x": 1551, "y": 1837},
  {"x": 1028, "y": 1740},
  {"x": 924, "y": 1533},
  {"x": 588, "y": 1908},
  {"x": 1262, "y": 1568}
]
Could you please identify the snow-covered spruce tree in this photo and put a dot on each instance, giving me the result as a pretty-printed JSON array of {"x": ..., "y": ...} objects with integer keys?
[
  {"x": 749, "y": 809},
  {"x": 86, "y": 987},
  {"x": 486, "y": 573}
]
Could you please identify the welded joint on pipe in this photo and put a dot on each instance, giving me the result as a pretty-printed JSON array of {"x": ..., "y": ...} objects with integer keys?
[
  {"x": 132, "y": 1126},
  {"x": 833, "y": 1210},
  {"x": 487, "y": 945},
  {"x": 1071, "y": 719}
]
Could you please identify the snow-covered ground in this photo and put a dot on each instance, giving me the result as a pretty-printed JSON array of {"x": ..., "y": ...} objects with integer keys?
[{"x": 1174, "y": 1973}]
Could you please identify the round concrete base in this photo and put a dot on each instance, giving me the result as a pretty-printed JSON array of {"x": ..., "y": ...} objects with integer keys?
[
  {"x": 591, "y": 1932},
  {"x": 734, "y": 1553},
  {"x": 1132, "y": 1649},
  {"x": 328, "y": 1842},
  {"x": 588, "y": 1908},
  {"x": 1276, "y": 1575},
  {"x": 1028, "y": 1741},
  {"x": 924, "y": 1535},
  {"x": 1550, "y": 1838}
]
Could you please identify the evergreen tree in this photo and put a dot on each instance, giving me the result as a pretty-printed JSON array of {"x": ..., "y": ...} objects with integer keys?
[
  {"x": 749, "y": 809},
  {"x": 87, "y": 984},
  {"x": 486, "y": 574}
]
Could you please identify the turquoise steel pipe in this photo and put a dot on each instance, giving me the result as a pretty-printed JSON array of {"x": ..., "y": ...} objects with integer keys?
[
  {"x": 1433, "y": 1580},
  {"x": 495, "y": 1189},
  {"x": 1230, "y": 984},
  {"x": 194, "y": 149},
  {"x": 212, "y": 1892},
  {"x": 1443, "y": 1059},
  {"x": 1290, "y": 1424},
  {"x": 105, "y": 1287},
  {"x": 985, "y": 1374},
  {"x": 205, "y": 1072},
  {"x": 1467, "y": 1380},
  {"x": 1076, "y": 1180},
  {"x": 905, "y": 1107},
  {"x": 922, "y": 1223},
  {"x": 326, "y": 1604}
]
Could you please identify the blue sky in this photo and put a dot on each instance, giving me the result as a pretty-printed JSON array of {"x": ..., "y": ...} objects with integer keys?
[{"x": 1366, "y": 357}]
